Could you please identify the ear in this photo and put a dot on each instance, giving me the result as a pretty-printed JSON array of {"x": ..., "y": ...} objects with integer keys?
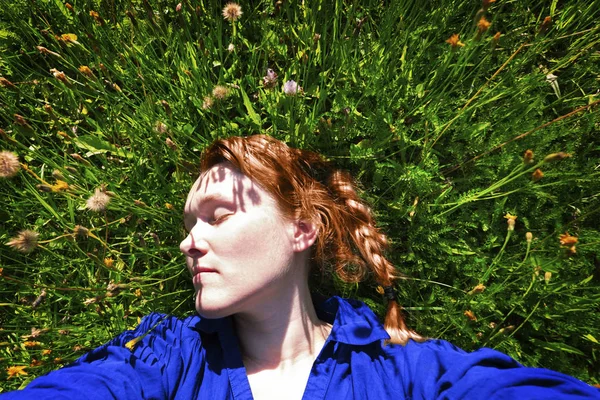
[{"x": 304, "y": 235}]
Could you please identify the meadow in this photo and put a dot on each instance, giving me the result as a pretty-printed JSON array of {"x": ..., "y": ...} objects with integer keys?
[{"x": 472, "y": 129}]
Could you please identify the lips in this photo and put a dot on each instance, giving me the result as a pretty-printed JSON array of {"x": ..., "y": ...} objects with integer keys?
[{"x": 202, "y": 270}]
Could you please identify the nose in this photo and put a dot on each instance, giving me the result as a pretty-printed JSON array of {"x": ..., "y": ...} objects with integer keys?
[{"x": 193, "y": 245}]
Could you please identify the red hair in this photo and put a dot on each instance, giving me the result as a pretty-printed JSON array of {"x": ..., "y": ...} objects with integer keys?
[{"x": 308, "y": 187}]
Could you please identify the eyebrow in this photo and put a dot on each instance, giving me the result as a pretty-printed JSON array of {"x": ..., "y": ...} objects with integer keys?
[
  {"x": 210, "y": 198},
  {"x": 201, "y": 202}
]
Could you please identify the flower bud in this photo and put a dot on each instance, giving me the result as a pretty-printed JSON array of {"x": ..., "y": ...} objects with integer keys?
[
  {"x": 556, "y": 156},
  {"x": 529, "y": 237},
  {"x": 510, "y": 220}
]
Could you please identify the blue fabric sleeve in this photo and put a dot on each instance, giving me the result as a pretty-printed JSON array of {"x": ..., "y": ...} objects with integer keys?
[
  {"x": 441, "y": 370},
  {"x": 113, "y": 371}
]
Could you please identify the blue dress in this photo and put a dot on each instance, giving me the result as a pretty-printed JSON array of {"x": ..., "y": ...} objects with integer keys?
[{"x": 200, "y": 358}]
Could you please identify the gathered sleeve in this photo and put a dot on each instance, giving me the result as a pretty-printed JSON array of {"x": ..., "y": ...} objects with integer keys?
[
  {"x": 440, "y": 370},
  {"x": 144, "y": 363}
]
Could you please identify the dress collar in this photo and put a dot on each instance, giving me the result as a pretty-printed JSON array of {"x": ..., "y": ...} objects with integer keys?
[{"x": 352, "y": 321}]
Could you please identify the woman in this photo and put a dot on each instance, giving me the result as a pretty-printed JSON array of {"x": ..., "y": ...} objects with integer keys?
[{"x": 261, "y": 218}]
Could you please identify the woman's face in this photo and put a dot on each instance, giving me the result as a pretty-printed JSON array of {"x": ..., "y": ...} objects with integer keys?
[{"x": 239, "y": 250}]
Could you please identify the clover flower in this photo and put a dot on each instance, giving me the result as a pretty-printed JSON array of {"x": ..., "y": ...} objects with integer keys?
[
  {"x": 25, "y": 241},
  {"x": 9, "y": 164},
  {"x": 291, "y": 88},
  {"x": 232, "y": 11},
  {"x": 270, "y": 79}
]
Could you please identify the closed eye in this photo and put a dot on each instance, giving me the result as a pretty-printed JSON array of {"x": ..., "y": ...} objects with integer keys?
[{"x": 220, "y": 218}]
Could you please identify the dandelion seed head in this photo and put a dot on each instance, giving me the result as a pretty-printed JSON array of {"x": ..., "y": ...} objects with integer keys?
[
  {"x": 207, "y": 102},
  {"x": 9, "y": 164},
  {"x": 232, "y": 11},
  {"x": 220, "y": 92},
  {"x": 25, "y": 241},
  {"x": 98, "y": 201}
]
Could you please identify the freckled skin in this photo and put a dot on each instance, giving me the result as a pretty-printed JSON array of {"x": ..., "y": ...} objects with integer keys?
[{"x": 236, "y": 229}]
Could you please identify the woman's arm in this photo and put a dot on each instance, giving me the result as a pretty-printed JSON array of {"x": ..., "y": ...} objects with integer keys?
[
  {"x": 443, "y": 371},
  {"x": 131, "y": 366}
]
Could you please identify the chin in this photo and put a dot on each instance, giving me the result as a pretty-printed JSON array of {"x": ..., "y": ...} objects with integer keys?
[{"x": 210, "y": 309}]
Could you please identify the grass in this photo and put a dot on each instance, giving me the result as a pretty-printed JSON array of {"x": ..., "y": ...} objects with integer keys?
[{"x": 435, "y": 134}]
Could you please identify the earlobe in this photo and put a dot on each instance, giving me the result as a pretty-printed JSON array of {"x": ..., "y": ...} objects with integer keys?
[{"x": 305, "y": 235}]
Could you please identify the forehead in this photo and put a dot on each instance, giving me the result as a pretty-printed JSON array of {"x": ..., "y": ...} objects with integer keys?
[{"x": 224, "y": 182}]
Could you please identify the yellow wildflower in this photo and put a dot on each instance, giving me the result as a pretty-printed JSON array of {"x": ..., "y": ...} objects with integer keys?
[
  {"x": 454, "y": 41},
  {"x": 16, "y": 371}
]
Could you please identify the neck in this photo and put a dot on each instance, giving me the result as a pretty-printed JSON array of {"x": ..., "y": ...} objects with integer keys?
[{"x": 282, "y": 333}]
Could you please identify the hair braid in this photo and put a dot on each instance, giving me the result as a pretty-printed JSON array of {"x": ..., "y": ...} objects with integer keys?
[{"x": 371, "y": 244}]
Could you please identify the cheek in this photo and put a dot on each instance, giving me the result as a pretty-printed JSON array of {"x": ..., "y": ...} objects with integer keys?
[{"x": 255, "y": 240}]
